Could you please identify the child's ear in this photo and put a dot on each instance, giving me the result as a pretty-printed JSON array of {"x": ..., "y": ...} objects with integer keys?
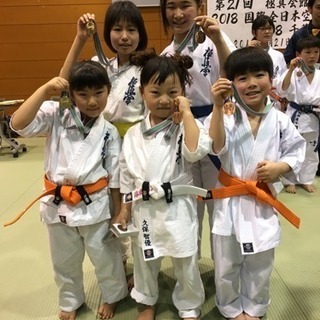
[
  {"x": 141, "y": 91},
  {"x": 201, "y": 9},
  {"x": 72, "y": 98}
]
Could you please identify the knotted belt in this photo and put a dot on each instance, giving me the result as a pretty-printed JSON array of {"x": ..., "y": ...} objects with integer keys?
[
  {"x": 258, "y": 190},
  {"x": 306, "y": 109},
  {"x": 156, "y": 192},
  {"x": 70, "y": 194}
]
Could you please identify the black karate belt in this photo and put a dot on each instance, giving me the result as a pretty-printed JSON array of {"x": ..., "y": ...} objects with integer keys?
[
  {"x": 215, "y": 160},
  {"x": 166, "y": 186},
  {"x": 203, "y": 111},
  {"x": 305, "y": 108},
  {"x": 145, "y": 190}
]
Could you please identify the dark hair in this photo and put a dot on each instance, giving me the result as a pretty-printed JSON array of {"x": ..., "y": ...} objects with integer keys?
[
  {"x": 248, "y": 59},
  {"x": 88, "y": 74},
  {"x": 307, "y": 42},
  {"x": 161, "y": 67},
  {"x": 262, "y": 21},
  {"x": 163, "y": 6},
  {"x": 125, "y": 11},
  {"x": 311, "y": 3}
]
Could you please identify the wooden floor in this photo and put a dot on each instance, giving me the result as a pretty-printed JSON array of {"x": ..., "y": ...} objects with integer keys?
[{"x": 27, "y": 289}]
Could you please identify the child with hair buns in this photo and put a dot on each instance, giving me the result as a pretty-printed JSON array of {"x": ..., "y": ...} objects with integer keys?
[{"x": 157, "y": 155}]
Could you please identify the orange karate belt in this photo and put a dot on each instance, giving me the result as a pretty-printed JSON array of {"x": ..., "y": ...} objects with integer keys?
[
  {"x": 283, "y": 101},
  {"x": 258, "y": 190},
  {"x": 70, "y": 194}
]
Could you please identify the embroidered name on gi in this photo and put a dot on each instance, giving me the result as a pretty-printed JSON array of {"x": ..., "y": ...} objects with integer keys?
[
  {"x": 131, "y": 92},
  {"x": 206, "y": 65}
]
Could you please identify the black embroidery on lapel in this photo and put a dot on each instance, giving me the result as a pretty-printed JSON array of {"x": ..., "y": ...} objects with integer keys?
[
  {"x": 206, "y": 62},
  {"x": 104, "y": 148},
  {"x": 179, "y": 149},
  {"x": 131, "y": 92}
]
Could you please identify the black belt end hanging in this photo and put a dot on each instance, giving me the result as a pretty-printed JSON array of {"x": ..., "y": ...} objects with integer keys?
[
  {"x": 145, "y": 190},
  {"x": 84, "y": 195},
  {"x": 166, "y": 186},
  {"x": 57, "y": 196}
]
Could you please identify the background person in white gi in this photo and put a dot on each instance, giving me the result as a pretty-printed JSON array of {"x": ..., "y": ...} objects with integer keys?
[
  {"x": 153, "y": 153},
  {"x": 81, "y": 148},
  {"x": 208, "y": 57},
  {"x": 301, "y": 87},
  {"x": 262, "y": 30},
  {"x": 251, "y": 147}
]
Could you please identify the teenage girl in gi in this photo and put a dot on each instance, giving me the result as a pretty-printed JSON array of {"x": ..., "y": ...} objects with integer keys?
[
  {"x": 208, "y": 59},
  {"x": 82, "y": 149},
  {"x": 158, "y": 151},
  {"x": 124, "y": 33}
]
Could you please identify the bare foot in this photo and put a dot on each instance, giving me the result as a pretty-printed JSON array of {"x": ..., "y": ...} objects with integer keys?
[
  {"x": 106, "y": 311},
  {"x": 309, "y": 187},
  {"x": 241, "y": 316},
  {"x": 248, "y": 317},
  {"x": 291, "y": 188},
  {"x": 146, "y": 312},
  {"x": 63, "y": 315}
]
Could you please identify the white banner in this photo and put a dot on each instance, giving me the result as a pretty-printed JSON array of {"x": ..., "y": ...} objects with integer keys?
[{"x": 236, "y": 17}]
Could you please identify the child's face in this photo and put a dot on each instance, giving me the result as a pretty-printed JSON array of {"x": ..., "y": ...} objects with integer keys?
[
  {"x": 159, "y": 98},
  {"x": 124, "y": 38},
  {"x": 180, "y": 15},
  {"x": 310, "y": 56},
  {"x": 91, "y": 101},
  {"x": 253, "y": 88}
]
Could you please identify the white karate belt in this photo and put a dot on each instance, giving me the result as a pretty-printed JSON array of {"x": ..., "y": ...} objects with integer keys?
[{"x": 156, "y": 192}]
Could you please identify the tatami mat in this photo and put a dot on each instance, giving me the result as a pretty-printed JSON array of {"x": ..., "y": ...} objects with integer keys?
[{"x": 27, "y": 289}]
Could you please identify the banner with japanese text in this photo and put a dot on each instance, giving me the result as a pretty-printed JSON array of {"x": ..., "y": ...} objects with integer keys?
[{"x": 236, "y": 17}]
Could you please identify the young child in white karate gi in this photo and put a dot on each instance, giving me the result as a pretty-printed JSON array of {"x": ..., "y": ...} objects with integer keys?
[
  {"x": 257, "y": 143},
  {"x": 300, "y": 85},
  {"x": 81, "y": 161},
  {"x": 157, "y": 155},
  {"x": 124, "y": 33},
  {"x": 179, "y": 16}
]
